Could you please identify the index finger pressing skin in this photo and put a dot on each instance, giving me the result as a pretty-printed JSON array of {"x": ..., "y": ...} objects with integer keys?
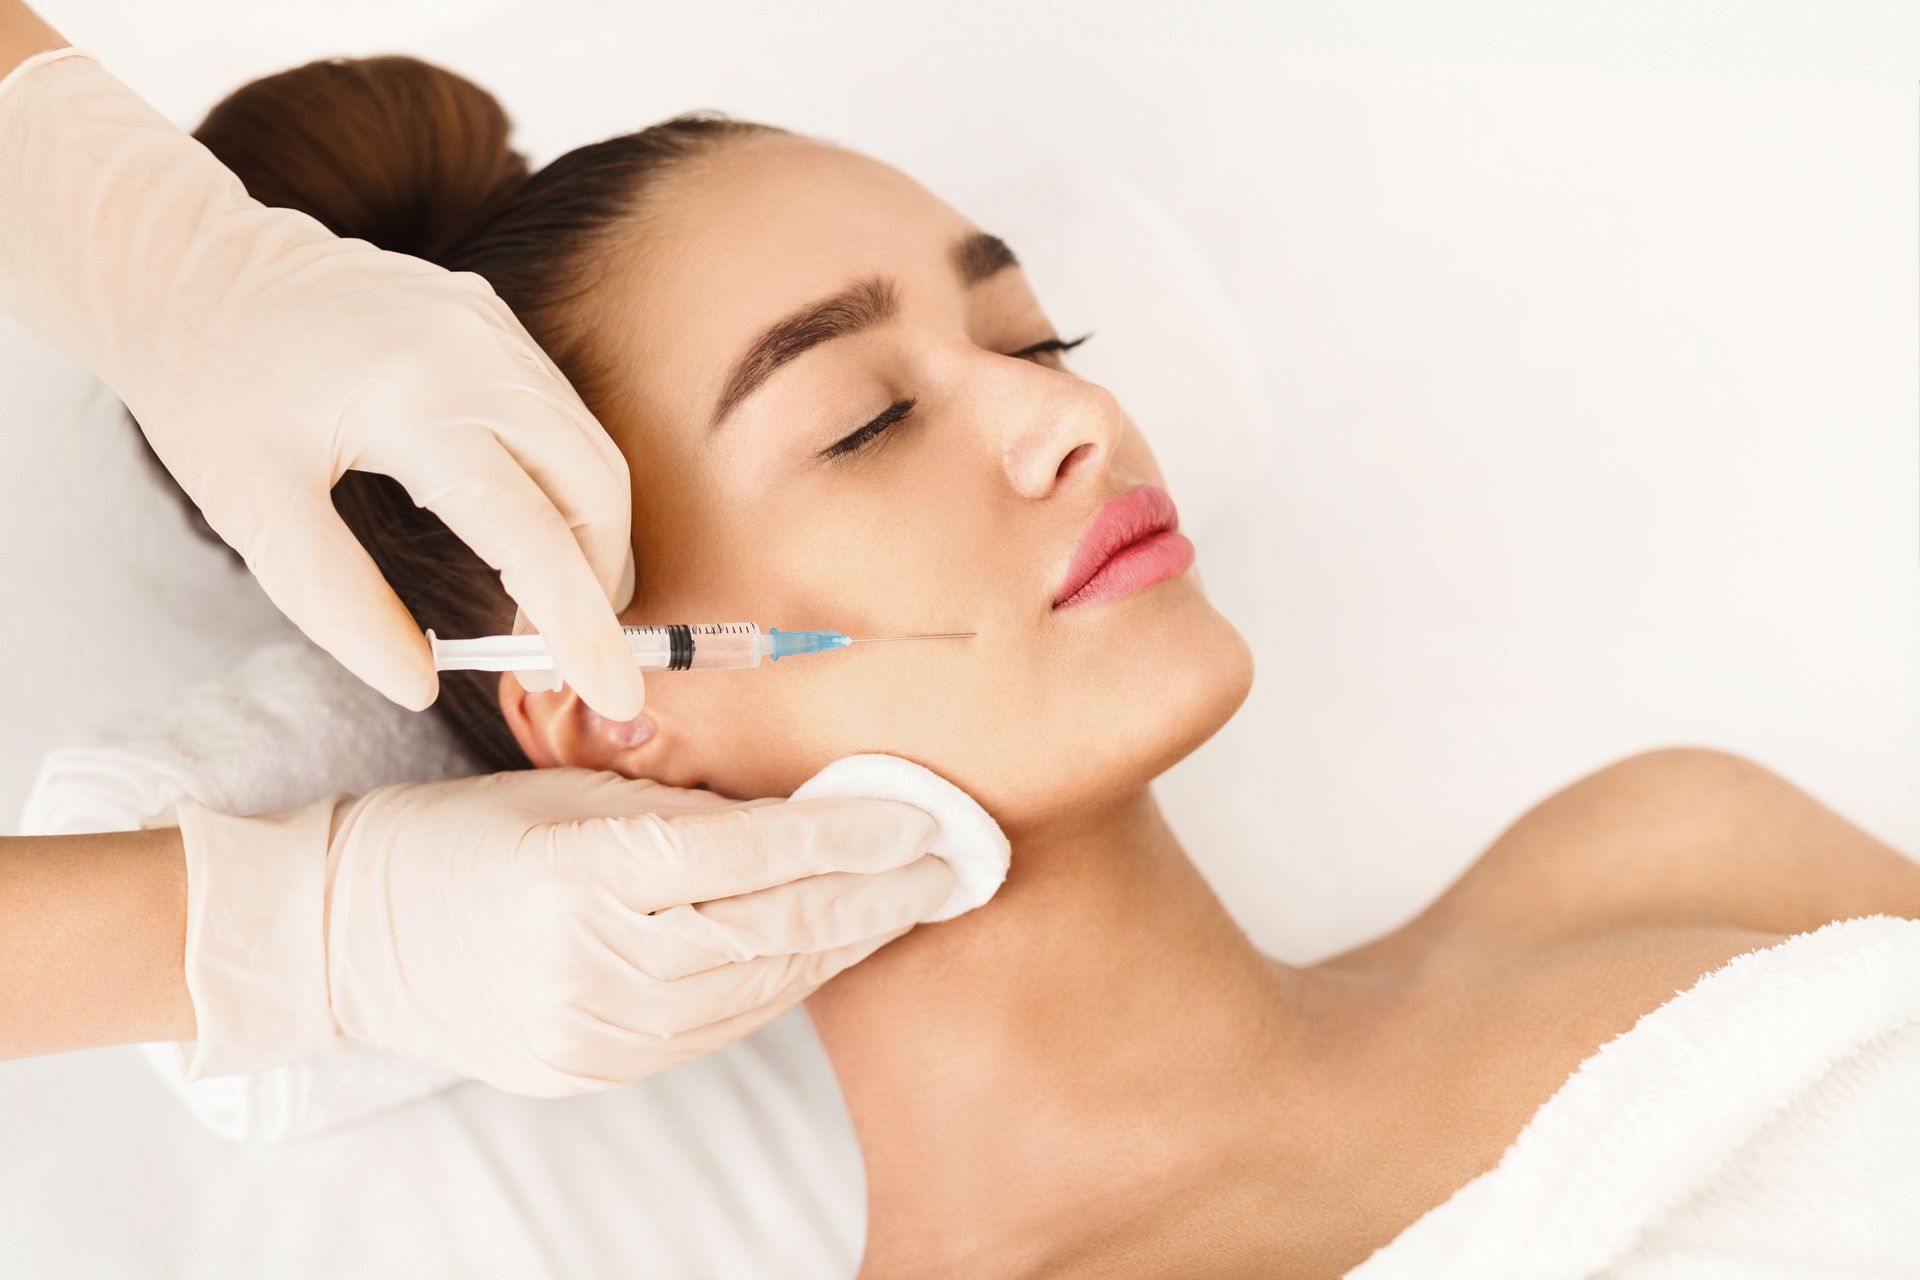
[{"x": 652, "y": 863}]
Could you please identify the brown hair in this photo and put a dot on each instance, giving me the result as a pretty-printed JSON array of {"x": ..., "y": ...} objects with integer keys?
[{"x": 414, "y": 158}]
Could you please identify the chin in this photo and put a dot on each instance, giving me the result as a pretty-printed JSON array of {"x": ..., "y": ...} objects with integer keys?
[
  {"x": 1138, "y": 732},
  {"x": 1202, "y": 692}
]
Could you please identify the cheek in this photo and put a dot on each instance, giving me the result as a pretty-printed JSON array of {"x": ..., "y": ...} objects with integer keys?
[
  {"x": 1099, "y": 715},
  {"x": 1028, "y": 746},
  {"x": 764, "y": 731},
  {"x": 1031, "y": 719}
]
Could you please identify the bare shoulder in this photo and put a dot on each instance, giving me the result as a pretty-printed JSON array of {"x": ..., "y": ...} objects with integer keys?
[{"x": 1683, "y": 835}]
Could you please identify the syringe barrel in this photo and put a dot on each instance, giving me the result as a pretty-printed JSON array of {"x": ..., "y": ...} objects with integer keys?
[
  {"x": 691, "y": 647},
  {"x": 699, "y": 647}
]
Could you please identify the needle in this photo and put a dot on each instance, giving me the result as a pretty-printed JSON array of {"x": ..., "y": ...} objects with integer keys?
[{"x": 946, "y": 635}]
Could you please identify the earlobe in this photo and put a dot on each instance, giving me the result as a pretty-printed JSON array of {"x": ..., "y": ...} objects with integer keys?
[{"x": 559, "y": 730}]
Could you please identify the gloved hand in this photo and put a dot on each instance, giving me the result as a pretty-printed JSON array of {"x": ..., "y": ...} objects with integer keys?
[
  {"x": 551, "y": 932},
  {"x": 265, "y": 356}
]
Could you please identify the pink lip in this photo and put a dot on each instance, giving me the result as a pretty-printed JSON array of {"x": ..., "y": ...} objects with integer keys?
[{"x": 1131, "y": 543}]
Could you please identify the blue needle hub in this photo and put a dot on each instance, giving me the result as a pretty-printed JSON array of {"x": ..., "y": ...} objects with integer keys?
[{"x": 788, "y": 643}]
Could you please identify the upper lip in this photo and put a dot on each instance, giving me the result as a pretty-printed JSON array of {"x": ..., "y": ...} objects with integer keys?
[{"x": 1119, "y": 523}]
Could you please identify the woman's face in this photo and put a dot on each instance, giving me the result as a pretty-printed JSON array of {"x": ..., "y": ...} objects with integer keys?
[{"x": 960, "y": 517}]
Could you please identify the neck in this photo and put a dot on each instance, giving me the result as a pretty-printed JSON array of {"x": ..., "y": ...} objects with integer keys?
[{"x": 1101, "y": 1025}]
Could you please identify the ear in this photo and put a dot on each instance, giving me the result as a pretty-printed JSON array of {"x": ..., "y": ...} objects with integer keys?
[{"x": 558, "y": 729}]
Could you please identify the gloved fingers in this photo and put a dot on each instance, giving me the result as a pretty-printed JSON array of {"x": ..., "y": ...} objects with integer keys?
[
  {"x": 557, "y": 440},
  {"x": 317, "y": 573},
  {"x": 701, "y": 999},
  {"x": 818, "y": 913},
  {"x": 569, "y": 799},
  {"x": 629, "y": 581},
  {"x": 500, "y": 317},
  {"x": 652, "y": 862},
  {"x": 709, "y": 1008},
  {"x": 544, "y": 426},
  {"x": 718, "y": 1035},
  {"x": 622, "y": 1054},
  {"x": 534, "y": 680},
  {"x": 495, "y": 507}
]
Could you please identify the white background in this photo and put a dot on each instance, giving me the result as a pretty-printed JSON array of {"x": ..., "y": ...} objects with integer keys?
[
  {"x": 1587, "y": 343},
  {"x": 1586, "y": 338}
]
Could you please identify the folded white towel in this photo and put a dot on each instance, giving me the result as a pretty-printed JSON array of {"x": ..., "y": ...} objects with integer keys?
[
  {"x": 288, "y": 726},
  {"x": 1765, "y": 1123}
]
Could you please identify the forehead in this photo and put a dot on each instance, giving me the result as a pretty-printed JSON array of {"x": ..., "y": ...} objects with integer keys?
[{"x": 738, "y": 239}]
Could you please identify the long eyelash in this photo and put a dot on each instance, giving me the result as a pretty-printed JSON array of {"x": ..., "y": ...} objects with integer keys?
[
  {"x": 1052, "y": 344},
  {"x": 866, "y": 435},
  {"x": 899, "y": 410}
]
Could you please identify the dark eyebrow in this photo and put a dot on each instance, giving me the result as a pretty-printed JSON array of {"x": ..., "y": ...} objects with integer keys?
[
  {"x": 978, "y": 255},
  {"x": 862, "y": 305}
]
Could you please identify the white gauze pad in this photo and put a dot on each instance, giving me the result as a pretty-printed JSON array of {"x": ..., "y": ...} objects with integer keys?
[{"x": 968, "y": 840}]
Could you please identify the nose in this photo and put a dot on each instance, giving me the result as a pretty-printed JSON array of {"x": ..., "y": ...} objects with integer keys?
[{"x": 1059, "y": 430}]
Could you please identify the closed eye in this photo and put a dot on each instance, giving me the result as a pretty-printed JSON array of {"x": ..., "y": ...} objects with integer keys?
[
  {"x": 1051, "y": 344},
  {"x": 866, "y": 435},
  {"x": 898, "y": 411}
]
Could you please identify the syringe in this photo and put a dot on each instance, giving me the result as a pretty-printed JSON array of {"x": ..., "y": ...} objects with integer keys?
[{"x": 691, "y": 647}]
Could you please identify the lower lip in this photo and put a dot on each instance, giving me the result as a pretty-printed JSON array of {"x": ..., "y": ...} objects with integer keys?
[{"x": 1165, "y": 555}]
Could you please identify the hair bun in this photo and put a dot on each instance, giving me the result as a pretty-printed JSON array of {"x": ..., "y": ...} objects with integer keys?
[{"x": 389, "y": 149}]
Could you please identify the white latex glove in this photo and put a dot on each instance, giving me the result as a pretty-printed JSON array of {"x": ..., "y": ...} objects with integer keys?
[
  {"x": 264, "y": 357},
  {"x": 551, "y": 932}
]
